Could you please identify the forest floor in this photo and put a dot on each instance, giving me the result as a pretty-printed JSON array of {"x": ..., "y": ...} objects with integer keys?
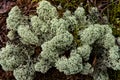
[{"x": 29, "y": 7}]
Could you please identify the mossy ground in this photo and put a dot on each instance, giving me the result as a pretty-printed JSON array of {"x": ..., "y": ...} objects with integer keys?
[{"x": 114, "y": 17}]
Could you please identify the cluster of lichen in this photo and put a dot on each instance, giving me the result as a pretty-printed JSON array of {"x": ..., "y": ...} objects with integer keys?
[{"x": 55, "y": 35}]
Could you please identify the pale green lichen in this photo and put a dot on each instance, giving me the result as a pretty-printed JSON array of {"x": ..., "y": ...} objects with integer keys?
[
  {"x": 46, "y": 11},
  {"x": 11, "y": 35},
  {"x": 84, "y": 51},
  {"x": 108, "y": 41},
  {"x": 15, "y": 18},
  {"x": 42, "y": 66},
  {"x": 36, "y": 25},
  {"x": 24, "y": 72},
  {"x": 27, "y": 36},
  {"x": 70, "y": 66},
  {"x": 87, "y": 69},
  {"x": 10, "y": 57},
  {"x": 91, "y": 34},
  {"x": 54, "y": 36}
]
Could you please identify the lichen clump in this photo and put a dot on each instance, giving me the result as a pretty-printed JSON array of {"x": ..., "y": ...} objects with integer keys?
[{"x": 54, "y": 35}]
